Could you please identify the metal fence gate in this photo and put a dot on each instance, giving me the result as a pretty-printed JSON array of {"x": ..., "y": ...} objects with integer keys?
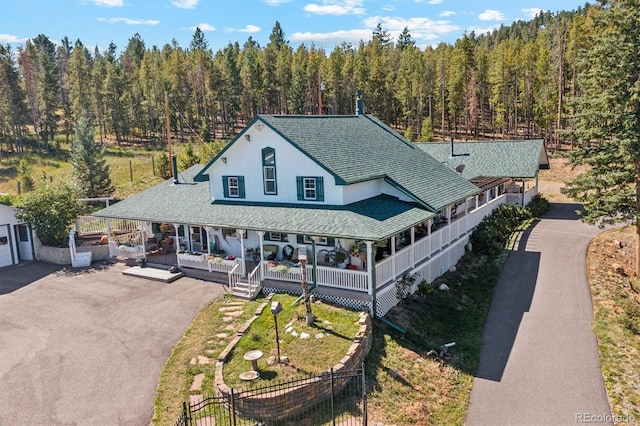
[{"x": 345, "y": 405}]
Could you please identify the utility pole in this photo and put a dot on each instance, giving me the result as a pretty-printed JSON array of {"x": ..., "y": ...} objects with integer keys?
[{"x": 166, "y": 112}]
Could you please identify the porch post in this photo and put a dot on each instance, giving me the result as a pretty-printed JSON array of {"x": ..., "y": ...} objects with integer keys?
[
  {"x": 371, "y": 269},
  {"x": 413, "y": 248},
  {"x": 524, "y": 190},
  {"x": 477, "y": 196},
  {"x": 176, "y": 226},
  {"x": 393, "y": 256},
  {"x": 242, "y": 255},
  {"x": 314, "y": 261},
  {"x": 429, "y": 225},
  {"x": 261, "y": 235}
]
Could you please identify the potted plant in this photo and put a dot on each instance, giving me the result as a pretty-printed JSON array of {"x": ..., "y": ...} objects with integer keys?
[{"x": 340, "y": 258}]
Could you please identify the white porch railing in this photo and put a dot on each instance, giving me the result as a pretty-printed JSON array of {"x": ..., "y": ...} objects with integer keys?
[
  {"x": 342, "y": 278},
  {"x": 234, "y": 277},
  {"x": 254, "y": 279},
  {"x": 196, "y": 261},
  {"x": 393, "y": 266},
  {"x": 221, "y": 265},
  {"x": 87, "y": 225},
  {"x": 127, "y": 245}
]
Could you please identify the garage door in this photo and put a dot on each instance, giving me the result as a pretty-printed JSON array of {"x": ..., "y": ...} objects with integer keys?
[{"x": 5, "y": 246}]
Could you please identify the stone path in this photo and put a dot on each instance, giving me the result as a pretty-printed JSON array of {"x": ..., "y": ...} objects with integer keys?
[{"x": 231, "y": 311}]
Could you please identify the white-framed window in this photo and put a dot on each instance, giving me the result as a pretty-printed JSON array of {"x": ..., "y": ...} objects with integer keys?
[
  {"x": 269, "y": 171},
  {"x": 309, "y": 188},
  {"x": 276, "y": 236},
  {"x": 323, "y": 241},
  {"x": 233, "y": 186}
]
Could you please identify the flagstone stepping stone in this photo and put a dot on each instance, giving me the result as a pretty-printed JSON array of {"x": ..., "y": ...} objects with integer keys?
[
  {"x": 227, "y": 319},
  {"x": 193, "y": 361},
  {"x": 228, "y": 308},
  {"x": 319, "y": 335},
  {"x": 195, "y": 399},
  {"x": 230, "y": 327},
  {"x": 304, "y": 335},
  {"x": 238, "y": 303},
  {"x": 289, "y": 329},
  {"x": 294, "y": 333},
  {"x": 203, "y": 360},
  {"x": 219, "y": 336},
  {"x": 197, "y": 382},
  {"x": 234, "y": 313},
  {"x": 210, "y": 351}
]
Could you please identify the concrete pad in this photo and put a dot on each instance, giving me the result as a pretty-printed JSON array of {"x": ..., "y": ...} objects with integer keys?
[{"x": 87, "y": 347}]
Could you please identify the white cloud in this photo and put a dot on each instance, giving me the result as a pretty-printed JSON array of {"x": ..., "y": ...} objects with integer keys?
[
  {"x": 447, "y": 13},
  {"x": 10, "y": 38},
  {"x": 332, "y": 39},
  {"x": 491, "y": 15},
  {"x": 248, "y": 29},
  {"x": 107, "y": 3},
  {"x": 185, "y": 4},
  {"x": 531, "y": 12},
  {"x": 419, "y": 28},
  {"x": 483, "y": 30},
  {"x": 434, "y": 1},
  {"x": 276, "y": 2},
  {"x": 336, "y": 7},
  {"x": 129, "y": 21},
  {"x": 203, "y": 27}
]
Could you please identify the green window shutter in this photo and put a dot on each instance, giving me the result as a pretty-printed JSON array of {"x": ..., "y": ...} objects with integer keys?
[
  {"x": 241, "y": 187},
  {"x": 300, "y": 186},
  {"x": 331, "y": 242},
  {"x": 319, "y": 188},
  {"x": 225, "y": 186},
  {"x": 267, "y": 236},
  {"x": 300, "y": 239}
]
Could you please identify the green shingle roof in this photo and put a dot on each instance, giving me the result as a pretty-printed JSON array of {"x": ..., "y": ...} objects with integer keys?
[
  {"x": 189, "y": 203},
  {"x": 356, "y": 148},
  {"x": 513, "y": 159}
]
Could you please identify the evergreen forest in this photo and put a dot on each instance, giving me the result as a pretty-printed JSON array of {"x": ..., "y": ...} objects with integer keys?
[{"x": 516, "y": 82}]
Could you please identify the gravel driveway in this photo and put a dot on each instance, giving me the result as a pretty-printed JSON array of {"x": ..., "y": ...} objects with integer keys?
[{"x": 87, "y": 348}]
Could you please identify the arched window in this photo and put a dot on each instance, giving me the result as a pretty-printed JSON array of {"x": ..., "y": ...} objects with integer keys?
[{"x": 269, "y": 171}]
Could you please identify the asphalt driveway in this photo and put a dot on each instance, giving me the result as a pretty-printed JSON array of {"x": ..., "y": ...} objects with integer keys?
[
  {"x": 87, "y": 348},
  {"x": 539, "y": 363}
]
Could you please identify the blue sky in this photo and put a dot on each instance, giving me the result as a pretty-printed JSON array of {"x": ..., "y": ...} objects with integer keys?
[{"x": 326, "y": 23}]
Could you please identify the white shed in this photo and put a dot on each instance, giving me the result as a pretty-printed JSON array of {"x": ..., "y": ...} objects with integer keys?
[{"x": 16, "y": 238}]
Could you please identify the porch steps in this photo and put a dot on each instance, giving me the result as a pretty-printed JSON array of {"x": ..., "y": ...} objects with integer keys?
[{"x": 242, "y": 291}]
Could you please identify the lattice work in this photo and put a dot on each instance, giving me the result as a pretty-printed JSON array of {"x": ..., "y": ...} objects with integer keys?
[
  {"x": 358, "y": 305},
  {"x": 386, "y": 299}
]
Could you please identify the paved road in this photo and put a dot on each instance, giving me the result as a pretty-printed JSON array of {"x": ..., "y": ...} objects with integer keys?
[
  {"x": 87, "y": 349},
  {"x": 539, "y": 362}
]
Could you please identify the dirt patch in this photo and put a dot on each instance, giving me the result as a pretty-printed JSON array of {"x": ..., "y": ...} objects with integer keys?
[{"x": 553, "y": 179}]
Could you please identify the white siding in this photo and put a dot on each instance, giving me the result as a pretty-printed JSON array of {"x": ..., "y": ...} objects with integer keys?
[
  {"x": 7, "y": 222},
  {"x": 244, "y": 158}
]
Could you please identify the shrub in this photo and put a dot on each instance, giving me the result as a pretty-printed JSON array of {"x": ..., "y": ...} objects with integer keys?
[
  {"x": 51, "y": 209},
  {"x": 538, "y": 205},
  {"x": 491, "y": 235}
]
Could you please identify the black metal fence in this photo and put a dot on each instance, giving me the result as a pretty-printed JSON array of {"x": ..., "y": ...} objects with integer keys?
[{"x": 345, "y": 404}]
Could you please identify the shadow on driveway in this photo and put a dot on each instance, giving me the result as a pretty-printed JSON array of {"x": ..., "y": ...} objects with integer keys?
[
  {"x": 513, "y": 295},
  {"x": 15, "y": 277}
]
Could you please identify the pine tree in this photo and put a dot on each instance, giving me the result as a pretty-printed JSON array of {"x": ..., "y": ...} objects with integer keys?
[
  {"x": 90, "y": 168},
  {"x": 607, "y": 122}
]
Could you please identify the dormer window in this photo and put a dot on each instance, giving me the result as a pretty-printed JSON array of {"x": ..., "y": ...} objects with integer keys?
[{"x": 269, "y": 171}]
